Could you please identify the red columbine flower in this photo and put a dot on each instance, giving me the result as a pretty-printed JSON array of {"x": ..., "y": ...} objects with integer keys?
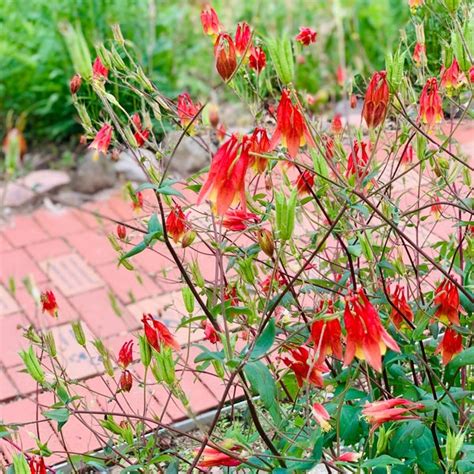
[
  {"x": 447, "y": 300},
  {"x": 326, "y": 337},
  {"x": 378, "y": 413},
  {"x": 226, "y": 178},
  {"x": 400, "y": 302},
  {"x": 125, "y": 357},
  {"x": 336, "y": 125},
  {"x": 187, "y": 110},
  {"x": 141, "y": 136},
  {"x": 48, "y": 300},
  {"x": 340, "y": 75},
  {"x": 376, "y": 100},
  {"x": 213, "y": 458},
  {"x": 419, "y": 54},
  {"x": 291, "y": 127},
  {"x": 415, "y": 3},
  {"x": 328, "y": 147},
  {"x": 238, "y": 219},
  {"x": 157, "y": 334},
  {"x": 366, "y": 338},
  {"x": 243, "y": 37},
  {"x": 304, "y": 182},
  {"x": 176, "y": 223},
  {"x": 305, "y": 367},
  {"x": 436, "y": 208},
  {"x": 257, "y": 59},
  {"x": 102, "y": 140},
  {"x": 210, "y": 21},
  {"x": 126, "y": 381},
  {"x": 471, "y": 74},
  {"x": 452, "y": 78},
  {"x": 137, "y": 201},
  {"x": 225, "y": 56},
  {"x": 37, "y": 465},
  {"x": 279, "y": 279},
  {"x": 450, "y": 345},
  {"x": 99, "y": 71},
  {"x": 210, "y": 334},
  {"x": 357, "y": 160},
  {"x": 407, "y": 156},
  {"x": 348, "y": 457},
  {"x": 306, "y": 36},
  {"x": 431, "y": 106},
  {"x": 259, "y": 144},
  {"x": 121, "y": 231},
  {"x": 321, "y": 416},
  {"x": 75, "y": 84}
]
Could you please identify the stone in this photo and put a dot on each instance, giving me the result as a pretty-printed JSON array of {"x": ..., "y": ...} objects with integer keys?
[
  {"x": 93, "y": 175},
  {"x": 128, "y": 167}
]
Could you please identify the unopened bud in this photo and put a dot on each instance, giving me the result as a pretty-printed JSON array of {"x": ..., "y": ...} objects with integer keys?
[
  {"x": 75, "y": 83},
  {"x": 50, "y": 344},
  {"x": 126, "y": 381},
  {"x": 213, "y": 115},
  {"x": 117, "y": 33},
  {"x": 266, "y": 242},
  {"x": 188, "y": 238}
]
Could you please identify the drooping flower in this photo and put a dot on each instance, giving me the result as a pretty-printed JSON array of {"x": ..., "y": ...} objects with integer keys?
[
  {"x": 157, "y": 334},
  {"x": 126, "y": 381},
  {"x": 37, "y": 465},
  {"x": 213, "y": 458},
  {"x": 452, "y": 78},
  {"x": 436, "y": 208},
  {"x": 366, "y": 338},
  {"x": 328, "y": 147},
  {"x": 99, "y": 71},
  {"x": 407, "y": 156},
  {"x": 176, "y": 223},
  {"x": 326, "y": 336},
  {"x": 447, "y": 301},
  {"x": 419, "y": 54},
  {"x": 306, "y": 36},
  {"x": 210, "y": 334},
  {"x": 431, "y": 105},
  {"x": 75, "y": 83},
  {"x": 376, "y": 100},
  {"x": 49, "y": 304},
  {"x": 348, "y": 457},
  {"x": 141, "y": 136},
  {"x": 238, "y": 219},
  {"x": 230, "y": 294},
  {"x": 225, "y": 56},
  {"x": 125, "y": 357},
  {"x": 450, "y": 345},
  {"x": 321, "y": 416},
  {"x": 404, "y": 313},
  {"x": 187, "y": 110},
  {"x": 336, "y": 126},
  {"x": 291, "y": 127},
  {"x": 102, "y": 140},
  {"x": 305, "y": 367},
  {"x": 243, "y": 37},
  {"x": 278, "y": 280},
  {"x": 358, "y": 160},
  {"x": 121, "y": 231},
  {"x": 210, "y": 21},
  {"x": 259, "y": 144},
  {"x": 395, "y": 409},
  {"x": 137, "y": 201},
  {"x": 304, "y": 182},
  {"x": 257, "y": 59},
  {"x": 226, "y": 179}
]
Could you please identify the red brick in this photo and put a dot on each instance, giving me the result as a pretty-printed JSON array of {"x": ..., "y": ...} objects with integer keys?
[
  {"x": 11, "y": 337},
  {"x": 91, "y": 220},
  {"x": 23, "y": 230},
  {"x": 96, "y": 309},
  {"x": 21, "y": 380},
  {"x": 49, "y": 249},
  {"x": 93, "y": 246},
  {"x": 18, "y": 264},
  {"x": 58, "y": 224},
  {"x": 7, "y": 390}
]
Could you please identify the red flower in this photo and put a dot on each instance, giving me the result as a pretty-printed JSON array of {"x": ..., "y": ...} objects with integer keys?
[
  {"x": 99, "y": 71},
  {"x": 238, "y": 219},
  {"x": 225, "y": 56},
  {"x": 376, "y": 100},
  {"x": 306, "y": 36},
  {"x": 221, "y": 132},
  {"x": 348, "y": 457},
  {"x": 102, "y": 140},
  {"x": 400, "y": 302},
  {"x": 48, "y": 301},
  {"x": 187, "y": 110},
  {"x": 447, "y": 300},
  {"x": 471, "y": 74},
  {"x": 419, "y": 54},
  {"x": 158, "y": 334},
  {"x": 340, "y": 75},
  {"x": 141, "y": 136},
  {"x": 279, "y": 279},
  {"x": 125, "y": 357},
  {"x": 213, "y": 458},
  {"x": 328, "y": 147},
  {"x": 226, "y": 178},
  {"x": 137, "y": 201},
  {"x": 259, "y": 144},
  {"x": 257, "y": 59},
  {"x": 353, "y": 101},
  {"x": 336, "y": 126},
  {"x": 452, "y": 78},
  {"x": 326, "y": 337},
  {"x": 305, "y": 368},
  {"x": 407, "y": 156},
  {"x": 450, "y": 345},
  {"x": 358, "y": 160},
  {"x": 436, "y": 208},
  {"x": 37, "y": 465},
  {"x": 176, "y": 223},
  {"x": 230, "y": 294},
  {"x": 431, "y": 106},
  {"x": 366, "y": 338},
  {"x": 243, "y": 37},
  {"x": 121, "y": 231},
  {"x": 210, "y": 21},
  {"x": 75, "y": 83},
  {"x": 291, "y": 127},
  {"x": 210, "y": 334},
  {"x": 378, "y": 413},
  {"x": 321, "y": 416},
  {"x": 126, "y": 381},
  {"x": 415, "y": 3},
  {"x": 304, "y": 182}
]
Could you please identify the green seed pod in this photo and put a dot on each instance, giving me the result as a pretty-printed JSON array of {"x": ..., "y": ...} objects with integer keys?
[
  {"x": 117, "y": 60},
  {"x": 79, "y": 333},
  {"x": 104, "y": 55},
  {"x": 188, "y": 299},
  {"x": 50, "y": 344},
  {"x": 165, "y": 365},
  {"x": 281, "y": 54},
  {"x": 78, "y": 50},
  {"x": 141, "y": 78},
  {"x": 32, "y": 365},
  {"x": 285, "y": 214},
  {"x": 20, "y": 465},
  {"x": 117, "y": 33},
  {"x": 145, "y": 351},
  {"x": 197, "y": 275},
  {"x": 394, "y": 65},
  {"x": 246, "y": 270},
  {"x": 219, "y": 368}
]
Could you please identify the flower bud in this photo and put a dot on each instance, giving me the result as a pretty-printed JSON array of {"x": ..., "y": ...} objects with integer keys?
[
  {"x": 225, "y": 56},
  {"x": 126, "y": 381},
  {"x": 50, "y": 344},
  {"x": 121, "y": 231},
  {"x": 165, "y": 365},
  {"x": 285, "y": 214},
  {"x": 266, "y": 242},
  {"x": 188, "y": 299},
  {"x": 75, "y": 84},
  {"x": 376, "y": 100},
  {"x": 188, "y": 238},
  {"x": 117, "y": 33}
]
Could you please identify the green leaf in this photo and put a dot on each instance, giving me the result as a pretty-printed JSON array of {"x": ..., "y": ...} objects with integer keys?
[
  {"x": 264, "y": 341},
  {"x": 136, "y": 250},
  {"x": 61, "y": 415},
  {"x": 154, "y": 225},
  {"x": 165, "y": 188},
  {"x": 466, "y": 357},
  {"x": 382, "y": 461}
]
